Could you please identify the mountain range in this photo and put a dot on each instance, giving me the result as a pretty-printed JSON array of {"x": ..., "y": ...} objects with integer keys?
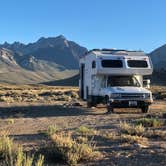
[
  {"x": 45, "y": 60},
  {"x": 55, "y": 58}
]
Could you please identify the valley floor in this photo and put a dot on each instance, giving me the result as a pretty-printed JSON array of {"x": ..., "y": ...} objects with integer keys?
[{"x": 25, "y": 122}]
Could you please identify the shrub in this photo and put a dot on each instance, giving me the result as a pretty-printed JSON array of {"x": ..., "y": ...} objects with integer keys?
[
  {"x": 150, "y": 122},
  {"x": 72, "y": 151},
  {"x": 52, "y": 129},
  {"x": 40, "y": 160},
  {"x": 133, "y": 139},
  {"x": 73, "y": 94},
  {"x": 127, "y": 128},
  {"x": 85, "y": 131},
  {"x": 111, "y": 136},
  {"x": 156, "y": 134},
  {"x": 81, "y": 139},
  {"x": 10, "y": 121},
  {"x": 126, "y": 138},
  {"x": 12, "y": 155}
]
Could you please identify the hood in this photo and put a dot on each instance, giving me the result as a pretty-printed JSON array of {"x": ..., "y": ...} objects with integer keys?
[{"x": 127, "y": 90}]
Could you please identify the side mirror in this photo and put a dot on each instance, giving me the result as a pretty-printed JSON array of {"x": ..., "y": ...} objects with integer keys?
[{"x": 146, "y": 83}]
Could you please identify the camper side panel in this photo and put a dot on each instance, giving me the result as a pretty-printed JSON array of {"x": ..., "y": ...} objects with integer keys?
[{"x": 87, "y": 72}]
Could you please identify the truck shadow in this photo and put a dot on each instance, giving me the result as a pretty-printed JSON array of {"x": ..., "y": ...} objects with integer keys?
[{"x": 42, "y": 111}]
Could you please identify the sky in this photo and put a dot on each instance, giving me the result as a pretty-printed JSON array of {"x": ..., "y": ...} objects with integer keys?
[{"x": 122, "y": 24}]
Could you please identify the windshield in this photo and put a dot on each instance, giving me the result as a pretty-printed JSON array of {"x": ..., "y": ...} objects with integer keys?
[{"x": 122, "y": 81}]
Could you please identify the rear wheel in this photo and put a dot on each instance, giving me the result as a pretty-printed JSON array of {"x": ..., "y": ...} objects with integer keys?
[
  {"x": 91, "y": 102},
  {"x": 145, "y": 108}
]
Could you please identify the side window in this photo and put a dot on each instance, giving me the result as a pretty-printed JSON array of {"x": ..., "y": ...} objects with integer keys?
[
  {"x": 93, "y": 64},
  {"x": 112, "y": 63},
  {"x": 137, "y": 63}
]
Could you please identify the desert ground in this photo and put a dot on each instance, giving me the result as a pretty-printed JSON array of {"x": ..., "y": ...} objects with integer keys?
[{"x": 30, "y": 114}]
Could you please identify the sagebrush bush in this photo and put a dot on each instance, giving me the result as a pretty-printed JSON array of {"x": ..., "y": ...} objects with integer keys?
[
  {"x": 111, "y": 136},
  {"x": 52, "y": 129},
  {"x": 72, "y": 151},
  {"x": 150, "y": 122},
  {"x": 10, "y": 121},
  {"x": 121, "y": 137},
  {"x": 12, "y": 155},
  {"x": 133, "y": 139},
  {"x": 130, "y": 129},
  {"x": 86, "y": 131},
  {"x": 156, "y": 134}
]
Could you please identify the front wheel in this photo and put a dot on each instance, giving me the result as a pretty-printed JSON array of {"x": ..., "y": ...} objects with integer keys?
[
  {"x": 110, "y": 108},
  {"x": 145, "y": 108}
]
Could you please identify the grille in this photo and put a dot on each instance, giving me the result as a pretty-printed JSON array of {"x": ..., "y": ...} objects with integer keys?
[{"x": 132, "y": 96}]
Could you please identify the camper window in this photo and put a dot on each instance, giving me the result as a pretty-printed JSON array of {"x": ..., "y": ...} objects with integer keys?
[
  {"x": 93, "y": 64},
  {"x": 137, "y": 63},
  {"x": 112, "y": 63}
]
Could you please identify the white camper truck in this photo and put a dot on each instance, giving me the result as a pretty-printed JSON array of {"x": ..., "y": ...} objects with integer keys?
[{"x": 115, "y": 78}]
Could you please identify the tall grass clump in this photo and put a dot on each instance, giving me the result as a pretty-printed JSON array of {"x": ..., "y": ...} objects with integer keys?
[
  {"x": 130, "y": 129},
  {"x": 150, "y": 122},
  {"x": 85, "y": 131},
  {"x": 52, "y": 129},
  {"x": 13, "y": 155},
  {"x": 133, "y": 139},
  {"x": 72, "y": 151}
]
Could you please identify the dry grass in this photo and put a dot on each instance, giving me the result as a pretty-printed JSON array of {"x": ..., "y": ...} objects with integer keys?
[
  {"x": 156, "y": 134},
  {"x": 126, "y": 138},
  {"x": 86, "y": 131},
  {"x": 10, "y": 121},
  {"x": 71, "y": 150},
  {"x": 150, "y": 122},
  {"x": 13, "y": 155},
  {"x": 52, "y": 129},
  {"x": 159, "y": 92},
  {"x": 130, "y": 129},
  {"x": 111, "y": 136},
  {"x": 133, "y": 139},
  {"x": 27, "y": 93}
]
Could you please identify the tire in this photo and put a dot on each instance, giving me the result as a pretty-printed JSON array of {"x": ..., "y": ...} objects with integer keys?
[
  {"x": 91, "y": 102},
  {"x": 145, "y": 108},
  {"x": 110, "y": 108}
]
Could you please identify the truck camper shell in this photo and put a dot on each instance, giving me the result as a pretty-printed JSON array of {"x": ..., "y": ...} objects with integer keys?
[{"x": 114, "y": 62}]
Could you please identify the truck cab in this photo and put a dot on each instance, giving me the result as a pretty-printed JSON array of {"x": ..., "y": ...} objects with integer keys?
[{"x": 115, "y": 78}]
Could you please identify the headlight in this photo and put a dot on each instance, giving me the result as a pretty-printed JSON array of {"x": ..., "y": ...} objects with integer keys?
[
  {"x": 115, "y": 95},
  {"x": 147, "y": 95}
]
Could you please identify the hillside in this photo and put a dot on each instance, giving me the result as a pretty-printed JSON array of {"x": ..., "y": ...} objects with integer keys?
[{"x": 72, "y": 81}]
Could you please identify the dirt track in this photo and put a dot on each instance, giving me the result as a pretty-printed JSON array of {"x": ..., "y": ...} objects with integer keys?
[{"x": 30, "y": 120}]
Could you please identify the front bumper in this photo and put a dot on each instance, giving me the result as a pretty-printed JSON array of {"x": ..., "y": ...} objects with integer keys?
[{"x": 127, "y": 103}]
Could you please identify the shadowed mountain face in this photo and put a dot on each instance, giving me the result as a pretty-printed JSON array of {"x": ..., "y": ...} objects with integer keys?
[
  {"x": 158, "y": 57},
  {"x": 49, "y": 59}
]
